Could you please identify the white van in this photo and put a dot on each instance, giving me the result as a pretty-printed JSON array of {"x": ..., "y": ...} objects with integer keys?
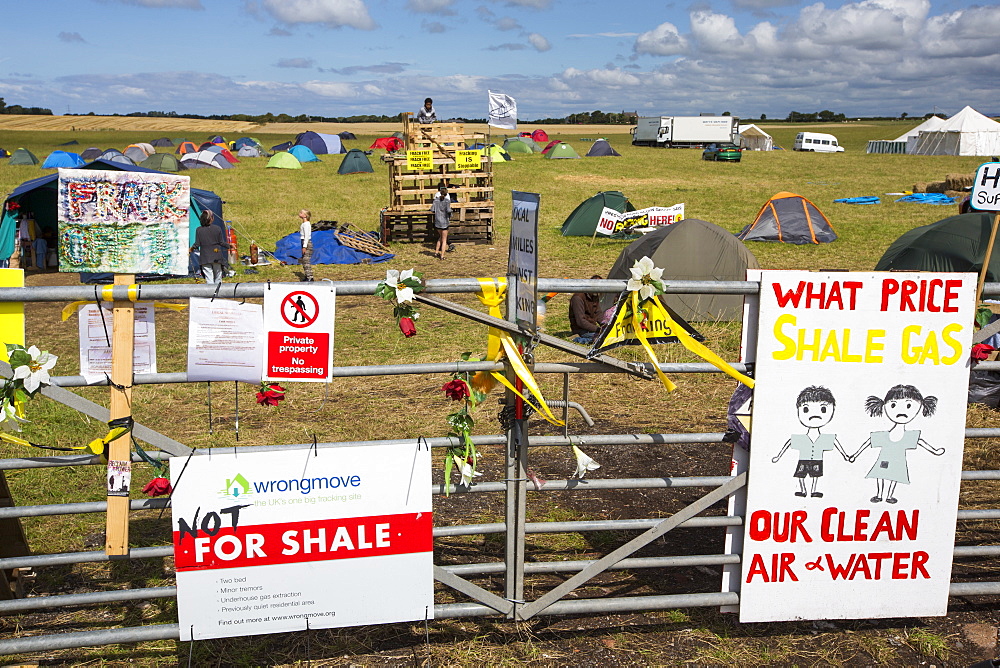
[{"x": 816, "y": 141}]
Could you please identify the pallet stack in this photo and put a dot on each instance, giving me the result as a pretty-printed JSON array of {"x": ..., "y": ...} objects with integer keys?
[{"x": 408, "y": 215}]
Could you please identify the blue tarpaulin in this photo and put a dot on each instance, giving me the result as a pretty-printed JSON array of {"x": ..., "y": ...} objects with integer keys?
[
  {"x": 326, "y": 250},
  {"x": 858, "y": 200},
  {"x": 927, "y": 198}
]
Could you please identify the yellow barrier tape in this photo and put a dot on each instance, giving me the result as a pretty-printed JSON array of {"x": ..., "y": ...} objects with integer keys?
[
  {"x": 133, "y": 293},
  {"x": 73, "y": 307},
  {"x": 492, "y": 292},
  {"x": 521, "y": 371},
  {"x": 667, "y": 383}
]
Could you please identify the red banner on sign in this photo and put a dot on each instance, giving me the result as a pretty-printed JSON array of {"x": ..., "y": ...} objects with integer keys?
[
  {"x": 296, "y": 355},
  {"x": 298, "y": 542}
]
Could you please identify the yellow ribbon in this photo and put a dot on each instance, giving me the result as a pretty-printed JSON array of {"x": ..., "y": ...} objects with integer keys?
[
  {"x": 73, "y": 307},
  {"x": 667, "y": 383},
  {"x": 491, "y": 293}
]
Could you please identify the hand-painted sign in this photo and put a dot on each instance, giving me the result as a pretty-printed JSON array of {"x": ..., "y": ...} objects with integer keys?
[
  {"x": 420, "y": 160},
  {"x": 986, "y": 188},
  {"x": 859, "y": 405},
  {"x": 522, "y": 260},
  {"x": 299, "y": 325},
  {"x": 268, "y": 542},
  {"x": 470, "y": 159},
  {"x": 612, "y": 221}
]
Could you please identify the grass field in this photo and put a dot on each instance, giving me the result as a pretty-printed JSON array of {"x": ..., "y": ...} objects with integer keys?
[{"x": 262, "y": 205}]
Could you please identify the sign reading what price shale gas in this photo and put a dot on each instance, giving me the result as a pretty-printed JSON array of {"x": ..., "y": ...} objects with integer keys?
[
  {"x": 267, "y": 542},
  {"x": 856, "y": 451}
]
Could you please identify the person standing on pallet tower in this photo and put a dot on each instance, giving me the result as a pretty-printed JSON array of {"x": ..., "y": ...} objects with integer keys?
[
  {"x": 441, "y": 208},
  {"x": 305, "y": 236},
  {"x": 426, "y": 113}
]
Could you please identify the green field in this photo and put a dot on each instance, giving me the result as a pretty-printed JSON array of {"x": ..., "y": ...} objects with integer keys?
[{"x": 262, "y": 205}]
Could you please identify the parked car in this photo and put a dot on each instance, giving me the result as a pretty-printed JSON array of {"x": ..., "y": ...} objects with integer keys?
[{"x": 730, "y": 152}]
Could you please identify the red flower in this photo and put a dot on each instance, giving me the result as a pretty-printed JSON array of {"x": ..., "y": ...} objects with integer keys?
[
  {"x": 270, "y": 395},
  {"x": 13, "y": 206},
  {"x": 157, "y": 487},
  {"x": 456, "y": 390},
  {"x": 981, "y": 351},
  {"x": 407, "y": 328}
]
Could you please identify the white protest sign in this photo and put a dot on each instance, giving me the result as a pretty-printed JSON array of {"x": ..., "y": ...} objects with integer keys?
[
  {"x": 522, "y": 260},
  {"x": 986, "y": 188},
  {"x": 95, "y": 337},
  {"x": 609, "y": 221},
  {"x": 299, "y": 323},
  {"x": 612, "y": 221},
  {"x": 267, "y": 542},
  {"x": 225, "y": 340},
  {"x": 857, "y": 438}
]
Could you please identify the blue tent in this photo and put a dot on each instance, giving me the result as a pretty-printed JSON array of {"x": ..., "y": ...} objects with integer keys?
[
  {"x": 320, "y": 143},
  {"x": 326, "y": 250},
  {"x": 243, "y": 141},
  {"x": 62, "y": 159},
  {"x": 283, "y": 146},
  {"x": 303, "y": 153}
]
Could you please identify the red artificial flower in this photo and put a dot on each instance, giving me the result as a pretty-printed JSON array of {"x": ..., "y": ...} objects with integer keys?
[
  {"x": 158, "y": 487},
  {"x": 456, "y": 390},
  {"x": 270, "y": 395},
  {"x": 981, "y": 351},
  {"x": 13, "y": 206},
  {"x": 407, "y": 328}
]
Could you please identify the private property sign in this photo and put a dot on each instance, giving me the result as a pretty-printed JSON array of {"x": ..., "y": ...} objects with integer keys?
[
  {"x": 299, "y": 333},
  {"x": 856, "y": 449},
  {"x": 266, "y": 542}
]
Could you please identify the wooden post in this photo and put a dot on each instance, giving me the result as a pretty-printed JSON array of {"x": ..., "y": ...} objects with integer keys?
[
  {"x": 120, "y": 450},
  {"x": 986, "y": 260}
]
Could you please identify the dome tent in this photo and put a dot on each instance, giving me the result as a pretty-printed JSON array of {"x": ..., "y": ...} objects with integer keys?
[
  {"x": 513, "y": 145},
  {"x": 583, "y": 220},
  {"x": 303, "y": 153},
  {"x": 116, "y": 156},
  {"x": 58, "y": 159},
  {"x": 163, "y": 162},
  {"x": 248, "y": 151},
  {"x": 23, "y": 156},
  {"x": 355, "y": 162},
  {"x": 136, "y": 154},
  {"x": 497, "y": 153},
  {"x": 561, "y": 151},
  {"x": 957, "y": 243},
  {"x": 92, "y": 153},
  {"x": 205, "y": 159},
  {"x": 601, "y": 148},
  {"x": 691, "y": 250},
  {"x": 790, "y": 219},
  {"x": 283, "y": 160}
]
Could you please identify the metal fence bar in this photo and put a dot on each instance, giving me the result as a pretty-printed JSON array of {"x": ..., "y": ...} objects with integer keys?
[
  {"x": 67, "y": 558},
  {"x": 445, "y": 577},
  {"x": 90, "y": 598}
]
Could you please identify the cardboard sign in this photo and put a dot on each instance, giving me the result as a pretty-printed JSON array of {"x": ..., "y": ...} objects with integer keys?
[
  {"x": 266, "y": 542},
  {"x": 468, "y": 159},
  {"x": 612, "y": 221},
  {"x": 656, "y": 324},
  {"x": 857, "y": 438},
  {"x": 522, "y": 259},
  {"x": 225, "y": 340},
  {"x": 986, "y": 188},
  {"x": 123, "y": 222},
  {"x": 298, "y": 324},
  {"x": 420, "y": 160}
]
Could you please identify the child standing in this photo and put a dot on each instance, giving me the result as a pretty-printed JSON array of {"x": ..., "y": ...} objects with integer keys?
[
  {"x": 441, "y": 208},
  {"x": 305, "y": 235}
]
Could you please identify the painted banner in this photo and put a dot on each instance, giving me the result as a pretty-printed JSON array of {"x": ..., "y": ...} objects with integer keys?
[
  {"x": 225, "y": 341},
  {"x": 123, "y": 222},
  {"x": 468, "y": 159},
  {"x": 857, "y": 438},
  {"x": 268, "y": 542},
  {"x": 612, "y": 221},
  {"x": 298, "y": 324},
  {"x": 522, "y": 258},
  {"x": 95, "y": 340}
]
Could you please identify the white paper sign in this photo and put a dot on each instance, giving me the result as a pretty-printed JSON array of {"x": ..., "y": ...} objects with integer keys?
[
  {"x": 225, "y": 340},
  {"x": 612, "y": 221},
  {"x": 299, "y": 341},
  {"x": 265, "y": 541},
  {"x": 857, "y": 437},
  {"x": 522, "y": 260},
  {"x": 95, "y": 333},
  {"x": 986, "y": 188}
]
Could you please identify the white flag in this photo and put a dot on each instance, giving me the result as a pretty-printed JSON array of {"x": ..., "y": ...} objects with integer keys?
[{"x": 503, "y": 111}]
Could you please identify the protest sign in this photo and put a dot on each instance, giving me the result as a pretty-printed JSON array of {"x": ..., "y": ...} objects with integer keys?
[
  {"x": 522, "y": 258},
  {"x": 612, "y": 221},
  {"x": 299, "y": 325}
]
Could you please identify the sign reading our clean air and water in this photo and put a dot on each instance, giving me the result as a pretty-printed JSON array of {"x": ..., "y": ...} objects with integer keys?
[
  {"x": 298, "y": 324},
  {"x": 612, "y": 221},
  {"x": 269, "y": 542},
  {"x": 986, "y": 188},
  {"x": 857, "y": 437},
  {"x": 123, "y": 222},
  {"x": 522, "y": 259}
]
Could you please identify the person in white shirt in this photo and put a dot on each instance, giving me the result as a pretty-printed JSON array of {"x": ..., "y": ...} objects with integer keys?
[{"x": 305, "y": 232}]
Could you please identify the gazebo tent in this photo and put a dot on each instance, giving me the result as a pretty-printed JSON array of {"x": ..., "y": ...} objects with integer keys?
[
  {"x": 303, "y": 153},
  {"x": 23, "y": 156},
  {"x": 355, "y": 162},
  {"x": 905, "y": 142},
  {"x": 966, "y": 133},
  {"x": 514, "y": 145},
  {"x": 957, "y": 243},
  {"x": 600, "y": 148},
  {"x": 790, "y": 219},
  {"x": 163, "y": 162},
  {"x": 58, "y": 159},
  {"x": 583, "y": 220},
  {"x": 752, "y": 138},
  {"x": 561, "y": 151},
  {"x": 691, "y": 250},
  {"x": 283, "y": 160}
]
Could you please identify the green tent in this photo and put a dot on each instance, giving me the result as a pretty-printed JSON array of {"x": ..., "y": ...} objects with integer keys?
[
  {"x": 283, "y": 160},
  {"x": 355, "y": 162},
  {"x": 23, "y": 156},
  {"x": 583, "y": 221},
  {"x": 514, "y": 145},
  {"x": 497, "y": 154},
  {"x": 163, "y": 162},
  {"x": 957, "y": 243},
  {"x": 561, "y": 150}
]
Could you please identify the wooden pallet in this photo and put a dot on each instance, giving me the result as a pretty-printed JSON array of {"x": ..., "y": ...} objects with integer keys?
[
  {"x": 419, "y": 227},
  {"x": 352, "y": 237}
]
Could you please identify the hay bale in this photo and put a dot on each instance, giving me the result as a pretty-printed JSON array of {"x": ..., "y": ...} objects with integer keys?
[
  {"x": 936, "y": 187},
  {"x": 959, "y": 181},
  {"x": 919, "y": 187}
]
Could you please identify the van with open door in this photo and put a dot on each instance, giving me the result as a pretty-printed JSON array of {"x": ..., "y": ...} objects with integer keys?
[{"x": 817, "y": 142}]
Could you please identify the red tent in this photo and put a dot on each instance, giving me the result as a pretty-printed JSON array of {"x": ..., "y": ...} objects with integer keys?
[
  {"x": 539, "y": 135},
  {"x": 228, "y": 156},
  {"x": 550, "y": 145},
  {"x": 388, "y": 143}
]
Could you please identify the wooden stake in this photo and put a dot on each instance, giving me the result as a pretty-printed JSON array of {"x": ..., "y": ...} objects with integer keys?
[
  {"x": 986, "y": 260},
  {"x": 120, "y": 450}
]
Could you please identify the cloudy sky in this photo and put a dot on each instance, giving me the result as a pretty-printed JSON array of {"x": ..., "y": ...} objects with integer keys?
[{"x": 346, "y": 57}]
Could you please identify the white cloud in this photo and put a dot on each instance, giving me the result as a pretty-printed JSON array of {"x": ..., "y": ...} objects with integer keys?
[
  {"x": 967, "y": 32},
  {"x": 443, "y": 7},
  {"x": 663, "y": 40},
  {"x": 332, "y": 13},
  {"x": 539, "y": 43},
  {"x": 533, "y": 4},
  {"x": 613, "y": 78},
  {"x": 331, "y": 89}
]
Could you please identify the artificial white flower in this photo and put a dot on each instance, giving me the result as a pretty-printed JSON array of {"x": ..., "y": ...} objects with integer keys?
[
  {"x": 584, "y": 463},
  {"x": 9, "y": 413},
  {"x": 404, "y": 293},
  {"x": 36, "y": 372},
  {"x": 466, "y": 468},
  {"x": 645, "y": 278}
]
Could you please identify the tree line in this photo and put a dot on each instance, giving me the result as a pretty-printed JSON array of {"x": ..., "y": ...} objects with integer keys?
[{"x": 18, "y": 109}]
